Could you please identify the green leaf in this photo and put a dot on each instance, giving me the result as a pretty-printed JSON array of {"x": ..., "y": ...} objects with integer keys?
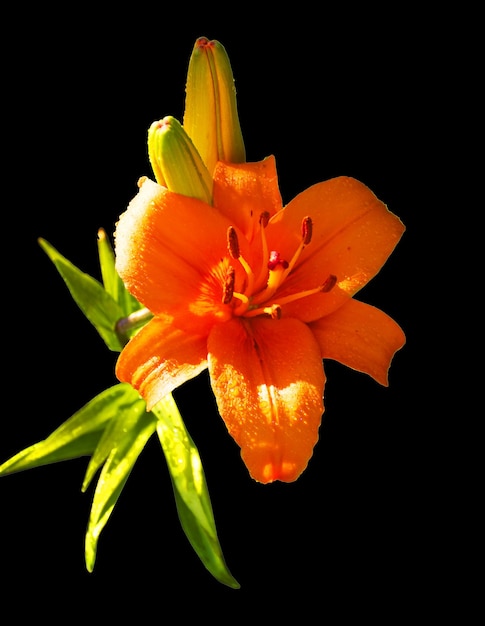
[
  {"x": 191, "y": 493},
  {"x": 126, "y": 441},
  {"x": 89, "y": 294},
  {"x": 76, "y": 437},
  {"x": 127, "y": 407},
  {"x": 44, "y": 453}
]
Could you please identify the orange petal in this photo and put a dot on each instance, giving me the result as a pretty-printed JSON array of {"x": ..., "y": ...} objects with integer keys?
[
  {"x": 268, "y": 380},
  {"x": 243, "y": 191},
  {"x": 353, "y": 235},
  {"x": 159, "y": 358},
  {"x": 170, "y": 252},
  {"x": 361, "y": 337}
]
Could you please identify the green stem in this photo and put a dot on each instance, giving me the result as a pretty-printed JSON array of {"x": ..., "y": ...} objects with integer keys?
[{"x": 135, "y": 320}]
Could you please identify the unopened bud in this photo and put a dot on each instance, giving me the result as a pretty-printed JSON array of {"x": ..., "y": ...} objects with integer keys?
[
  {"x": 175, "y": 161},
  {"x": 211, "y": 117}
]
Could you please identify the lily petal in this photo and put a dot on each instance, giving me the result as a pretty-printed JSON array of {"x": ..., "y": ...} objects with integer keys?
[
  {"x": 159, "y": 358},
  {"x": 360, "y": 336},
  {"x": 268, "y": 380},
  {"x": 353, "y": 235},
  {"x": 171, "y": 252},
  {"x": 243, "y": 191}
]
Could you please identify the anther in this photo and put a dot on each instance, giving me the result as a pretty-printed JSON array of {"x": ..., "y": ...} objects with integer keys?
[
  {"x": 262, "y": 276},
  {"x": 306, "y": 230},
  {"x": 233, "y": 243},
  {"x": 234, "y": 251},
  {"x": 228, "y": 289},
  {"x": 264, "y": 219},
  {"x": 329, "y": 283}
]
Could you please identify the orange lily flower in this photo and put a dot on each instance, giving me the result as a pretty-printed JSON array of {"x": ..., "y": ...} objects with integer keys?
[{"x": 259, "y": 294}]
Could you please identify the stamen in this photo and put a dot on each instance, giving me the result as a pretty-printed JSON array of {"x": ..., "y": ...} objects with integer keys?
[
  {"x": 233, "y": 247},
  {"x": 280, "y": 268},
  {"x": 306, "y": 230},
  {"x": 306, "y": 237},
  {"x": 264, "y": 219},
  {"x": 329, "y": 283},
  {"x": 263, "y": 272},
  {"x": 257, "y": 293},
  {"x": 324, "y": 288},
  {"x": 228, "y": 289},
  {"x": 233, "y": 243}
]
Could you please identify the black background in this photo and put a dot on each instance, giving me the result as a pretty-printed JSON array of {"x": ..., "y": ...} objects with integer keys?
[{"x": 328, "y": 93}]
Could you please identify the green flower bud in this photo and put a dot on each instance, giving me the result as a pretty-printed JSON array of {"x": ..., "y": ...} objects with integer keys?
[
  {"x": 175, "y": 161},
  {"x": 211, "y": 117}
]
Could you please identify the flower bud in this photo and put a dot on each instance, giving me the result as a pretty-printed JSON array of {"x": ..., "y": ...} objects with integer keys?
[
  {"x": 175, "y": 161},
  {"x": 211, "y": 118}
]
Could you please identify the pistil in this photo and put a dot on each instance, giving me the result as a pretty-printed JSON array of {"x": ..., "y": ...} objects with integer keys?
[
  {"x": 253, "y": 303},
  {"x": 279, "y": 268}
]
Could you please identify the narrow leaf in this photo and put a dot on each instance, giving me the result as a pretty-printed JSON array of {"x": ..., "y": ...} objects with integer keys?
[
  {"x": 39, "y": 453},
  {"x": 191, "y": 493},
  {"x": 89, "y": 294},
  {"x": 128, "y": 440},
  {"x": 127, "y": 408},
  {"x": 78, "y": 436}
]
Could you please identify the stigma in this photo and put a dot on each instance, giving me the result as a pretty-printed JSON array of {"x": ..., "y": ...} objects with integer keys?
[{"x": 259, "y": 292}]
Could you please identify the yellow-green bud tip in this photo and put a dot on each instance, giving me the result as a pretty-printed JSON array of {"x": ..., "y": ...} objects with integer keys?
[{"x": 175, "y": 161}]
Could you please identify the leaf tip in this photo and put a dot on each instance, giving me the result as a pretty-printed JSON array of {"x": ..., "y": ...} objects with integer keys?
[{"x": 90, "y": 551}]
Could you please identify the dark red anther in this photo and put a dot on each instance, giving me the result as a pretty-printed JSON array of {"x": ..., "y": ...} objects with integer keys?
[
  {"x": 228, "y": 289},
  {"x": 233, "y": 243},
  {"x": 264, "y": 219},
  {"x": 329, "y": 283},
  {"x": 306, "y": 230}
]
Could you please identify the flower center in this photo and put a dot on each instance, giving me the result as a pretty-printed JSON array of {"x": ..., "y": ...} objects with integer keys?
[{"x": 259, "y": 296}]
